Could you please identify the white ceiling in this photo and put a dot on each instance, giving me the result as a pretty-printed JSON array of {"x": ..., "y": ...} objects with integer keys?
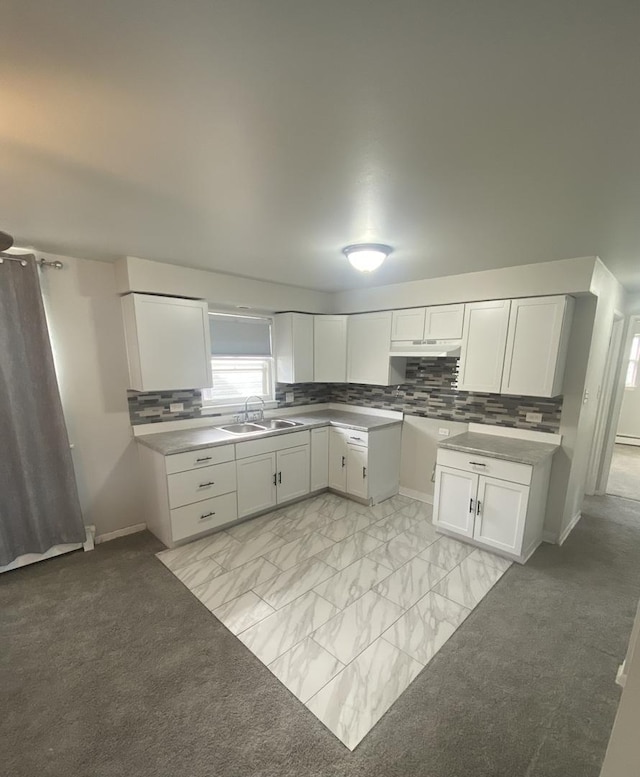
[{"x": 258, "y": 138}]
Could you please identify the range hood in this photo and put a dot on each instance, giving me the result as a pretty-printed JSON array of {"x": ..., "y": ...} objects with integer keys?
[{"x": 426, "y": 348}]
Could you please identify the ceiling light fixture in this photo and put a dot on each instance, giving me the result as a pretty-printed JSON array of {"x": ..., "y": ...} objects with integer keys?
[{"x": 367, "y": 257}]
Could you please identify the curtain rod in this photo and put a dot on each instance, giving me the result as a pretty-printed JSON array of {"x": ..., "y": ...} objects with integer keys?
[{"x": 22, "y": 259}]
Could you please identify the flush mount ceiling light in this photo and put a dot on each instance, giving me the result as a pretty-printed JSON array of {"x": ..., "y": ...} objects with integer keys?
[
  {"x": 6, "y": 241},
  {"x": 367, "y": 257}
]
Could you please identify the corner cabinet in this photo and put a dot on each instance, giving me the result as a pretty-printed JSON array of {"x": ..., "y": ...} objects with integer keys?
[
  {"x": 168, "y": 344},
  {"x": 293, "y": 347},
  {"x": 330, "y": 349},
  {"x": 496, "y": 504},
  {"x": 536, "y": 348},
  {"x": 368, "y": 346}
]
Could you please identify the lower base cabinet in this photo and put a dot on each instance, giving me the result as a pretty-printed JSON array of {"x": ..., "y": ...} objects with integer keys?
[{"x": 503, "y": 511}]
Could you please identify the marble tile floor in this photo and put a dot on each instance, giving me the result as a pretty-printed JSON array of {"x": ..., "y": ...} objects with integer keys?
[{"x": 345, "y": 604}]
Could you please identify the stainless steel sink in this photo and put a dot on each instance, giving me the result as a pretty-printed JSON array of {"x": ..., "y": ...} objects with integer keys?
[
  {"x": 242, "y": 428},
  {"x": 277, "y": 423}
]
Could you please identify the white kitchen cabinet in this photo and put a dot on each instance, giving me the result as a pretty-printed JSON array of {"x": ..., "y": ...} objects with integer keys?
[
  {"x": 319, "y": 458},
  {"x": 407, "y": 324},
  {"x": 443, "y": 322},
  {"x": 454, "y": 500},
  {"x": 168, "y": 343},
  {"x": 293, "y": 473},
  {"x": 368, "y": 345},
  {"x": 493, "y": 503},
  {"x": 357, "y": 463},
  {"x": 257, "y": 483},
  {"x": 501, "y": 511},
  {"x": 365, "y": 465},
  {"x": 484, "y": 340},
  {"x": 536, "y": 348},
  {"x": 293, "y": 347},
  {"x": 330, "y": 349}
]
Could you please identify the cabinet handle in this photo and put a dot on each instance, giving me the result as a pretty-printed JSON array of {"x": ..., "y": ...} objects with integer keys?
[
  {"x": 203, "y": 458},
  {"x": 343, "y": 461},
  {"x": 471, "y": 505},
  {"x": 279, "y": 477},
  {"x": 207, "y": 515},
  {"x": 205, "y": 485},
  {"x": 275, "y": 478},
  {"x": 356, "y": 438},
  {"x": 477, "y": 464},
  {"x": 364, "y": 473},
  {"x": 478, "y": 506}
]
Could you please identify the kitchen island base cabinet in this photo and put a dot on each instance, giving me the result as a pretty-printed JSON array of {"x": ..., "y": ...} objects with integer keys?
[{"x": 505, "y": 516}]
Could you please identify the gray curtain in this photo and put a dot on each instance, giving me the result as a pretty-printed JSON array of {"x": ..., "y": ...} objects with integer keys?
[{"x": 39, "y": 504}]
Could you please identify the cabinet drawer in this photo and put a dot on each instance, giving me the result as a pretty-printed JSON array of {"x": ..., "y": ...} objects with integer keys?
[
  {"x": 485, "y": 465},
  {"x": 199, "y": 484},
  {"x": 205, "y": 457},
  {"x": 199, "y": 517},
  {"x": 353, "y": 436}
]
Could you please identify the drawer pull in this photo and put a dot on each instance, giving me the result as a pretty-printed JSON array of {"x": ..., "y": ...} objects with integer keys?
[
  {"x": 207, "y": 515},
  {"x": 356, "y": 438},
  {"x": 203, "y": 458},
  {"x": 477, "y": 464},
  {"x": 205, "y": 485}
]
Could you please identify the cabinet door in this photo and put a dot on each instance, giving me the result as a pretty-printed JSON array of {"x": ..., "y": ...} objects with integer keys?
[
  {"x": 357, "y": 477},
  {"x": 484, "y": 339},
  {"x": 369, "y": 341},
  {"x": 455, "y": 500},
  {"x": 501, "y": 510},
  {"x": 168, "y": 343},
  {"x": 256, "y": 484},
  {"x": 330, "y": 349},
  {"x": 534, "y": 354},
  {"x": 319, "y": 458},
  {"x": 337, "y": 461},
  {"x": 293, "y": 473},
  {"x": 407, "y": 324},
  {"x": 444, "y": 322},
  {"x": 293, "y": 341}
]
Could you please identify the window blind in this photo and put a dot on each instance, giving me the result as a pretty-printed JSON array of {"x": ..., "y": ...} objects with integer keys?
[{"x": 239, "y": 335}]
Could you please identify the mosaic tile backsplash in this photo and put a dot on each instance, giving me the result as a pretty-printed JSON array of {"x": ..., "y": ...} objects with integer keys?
[{"x": 429, "y": 390}]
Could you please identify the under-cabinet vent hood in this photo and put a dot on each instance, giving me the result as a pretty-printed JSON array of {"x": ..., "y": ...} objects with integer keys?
[{"x": 426, "y": 348}]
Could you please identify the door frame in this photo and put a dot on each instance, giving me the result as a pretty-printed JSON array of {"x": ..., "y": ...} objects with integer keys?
[{"x": 618, "y": 368}]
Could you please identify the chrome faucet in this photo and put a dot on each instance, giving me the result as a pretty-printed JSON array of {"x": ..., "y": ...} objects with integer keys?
[{"x": 246, "y": 408}]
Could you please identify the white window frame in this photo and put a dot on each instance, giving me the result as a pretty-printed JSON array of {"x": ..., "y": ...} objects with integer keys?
[
  {"x": 633, "y": 364},
  {"x": 210, "y": 407}
]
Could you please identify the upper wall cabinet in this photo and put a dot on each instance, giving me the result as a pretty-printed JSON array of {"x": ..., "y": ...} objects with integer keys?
[
  {"x": 330, "y": 349},
  {"x": 293, "y": 343},
  {"x": 168, "y": 343},
  {"x": 484, "y": 339},
  {"x": 368, "y": 344},
  {"x": 440, "y": 322},
  {"x": 537, "y": 343}
]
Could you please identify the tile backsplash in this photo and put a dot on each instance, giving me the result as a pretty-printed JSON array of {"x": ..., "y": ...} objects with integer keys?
[{"x": 428, "y": 390}]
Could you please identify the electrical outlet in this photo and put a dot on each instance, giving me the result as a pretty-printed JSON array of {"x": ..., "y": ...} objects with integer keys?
[
  {"x": 443, "y": 432},
  {"x": 176, "y": 407},
  {"x": 288, "y": 397},
  {"x": 534, "y": 418}
]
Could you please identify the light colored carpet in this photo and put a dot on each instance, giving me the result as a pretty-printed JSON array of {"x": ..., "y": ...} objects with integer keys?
[{"x": 624, "y": 478}]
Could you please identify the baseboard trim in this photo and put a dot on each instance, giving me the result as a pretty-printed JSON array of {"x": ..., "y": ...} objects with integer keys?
[
  {"x": 421, "y": 496},
  {"x": 550, "y": 537},
  {"x": 622, "y": 440},
  {"x": 112, "y": 535},
  {"x": 569, "y": 528}
]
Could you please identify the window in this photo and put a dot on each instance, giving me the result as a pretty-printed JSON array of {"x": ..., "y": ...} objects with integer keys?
[
  {"x": 241, "y": 360},
  {"x": 631, "y": 380}
]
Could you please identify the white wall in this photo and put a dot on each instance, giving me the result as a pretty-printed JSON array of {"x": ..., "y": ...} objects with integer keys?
[
  {"x": 85, "y": 321},
  {"x": 566, "y": 276},
  {"x": 629, "y": 422},
  {"x": 420, "y": 439},
  {"x": 134, "y": 274}
]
